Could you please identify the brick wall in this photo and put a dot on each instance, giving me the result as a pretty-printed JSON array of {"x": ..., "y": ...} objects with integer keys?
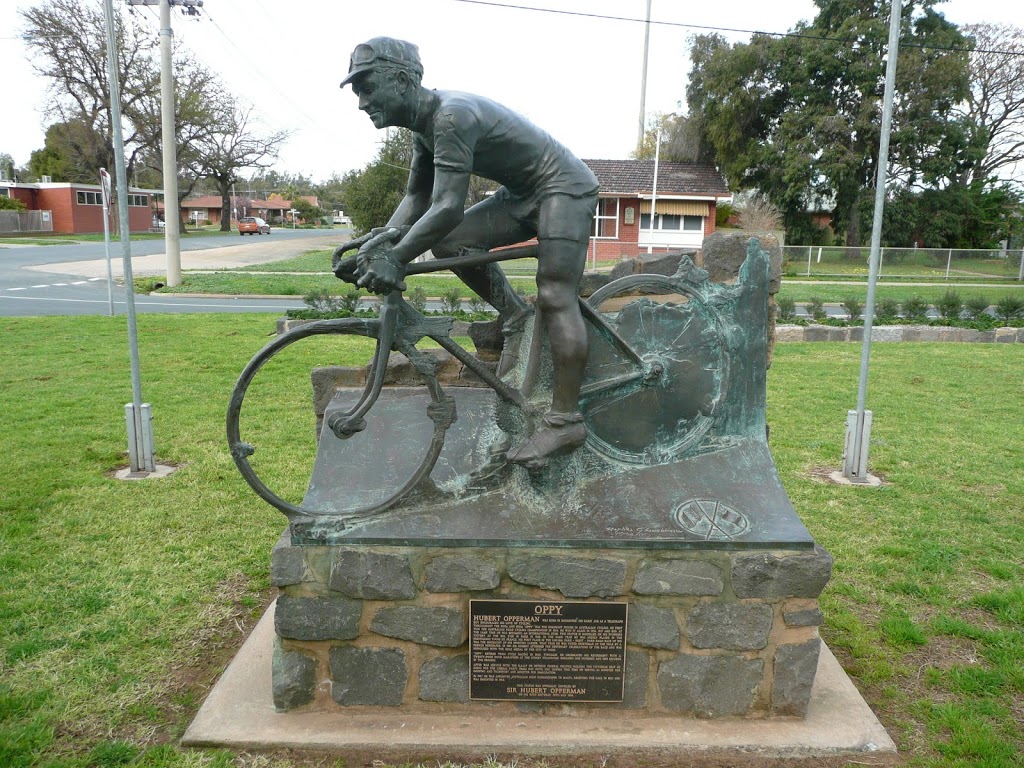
[
  {"x": 58, "y": 201},
  {"x": 24, "y": 195}
]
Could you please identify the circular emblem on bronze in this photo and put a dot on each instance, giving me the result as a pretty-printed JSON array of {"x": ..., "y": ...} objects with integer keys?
[{"x": 710, "y": 520}]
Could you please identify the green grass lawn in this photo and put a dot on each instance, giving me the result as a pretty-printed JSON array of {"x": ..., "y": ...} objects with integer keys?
[{"x": 120, "y": 602}]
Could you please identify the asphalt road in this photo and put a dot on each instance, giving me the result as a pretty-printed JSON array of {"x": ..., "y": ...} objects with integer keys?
[{"x": 71, "y": 279}]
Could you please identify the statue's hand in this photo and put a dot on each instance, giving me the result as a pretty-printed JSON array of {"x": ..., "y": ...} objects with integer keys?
[
  {"x": 348, "y": 268},
  {"x": 380, "y": 270},
  {"x": 345, "y": 267}
]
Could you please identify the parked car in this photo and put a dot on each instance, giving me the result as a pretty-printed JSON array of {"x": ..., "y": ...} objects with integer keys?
[{"x": 254, "y": 225}]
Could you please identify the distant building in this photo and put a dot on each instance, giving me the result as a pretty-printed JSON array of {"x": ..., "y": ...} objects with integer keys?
[
  {"x": 685, "y": 202},
  {"x": 210, "y": 208},
  {"x": 77, "y": 209}
]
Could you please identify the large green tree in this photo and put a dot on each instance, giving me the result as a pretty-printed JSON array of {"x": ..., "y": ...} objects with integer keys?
[
  {"x": 373, "y": 193},
  {"x": 799, "y": 117},
  {"x": 73, "y": 150}
]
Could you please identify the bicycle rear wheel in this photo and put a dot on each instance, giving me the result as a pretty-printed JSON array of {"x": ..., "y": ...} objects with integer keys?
[
  {"x": 676, "y": 340},
  {"x": 350, "y": 436}
]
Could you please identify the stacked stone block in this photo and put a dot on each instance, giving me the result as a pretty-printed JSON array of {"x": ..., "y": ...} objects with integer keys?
[{"x": 711, "y": 632}]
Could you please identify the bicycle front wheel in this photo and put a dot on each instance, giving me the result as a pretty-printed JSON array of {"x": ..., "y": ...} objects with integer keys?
[{"x": 350, "y": 438}]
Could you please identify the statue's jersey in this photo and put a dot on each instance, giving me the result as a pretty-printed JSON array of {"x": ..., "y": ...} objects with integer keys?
[{"x": 473, "y": 134}]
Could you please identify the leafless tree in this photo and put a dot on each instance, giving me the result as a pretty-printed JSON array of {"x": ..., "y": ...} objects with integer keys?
[
  {"x": 237, "y": 144},
  {"x": 68, "y": 42},
  {"x": 995, "y": 106}
]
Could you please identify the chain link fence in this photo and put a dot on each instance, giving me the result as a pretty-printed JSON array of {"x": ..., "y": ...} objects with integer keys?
[
  {"x": 931, "y": 264},
  {"x": 25, "y": 221}
]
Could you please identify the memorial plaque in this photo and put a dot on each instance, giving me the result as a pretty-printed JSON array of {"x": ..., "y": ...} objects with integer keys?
[{"x": 546, "y": 651}]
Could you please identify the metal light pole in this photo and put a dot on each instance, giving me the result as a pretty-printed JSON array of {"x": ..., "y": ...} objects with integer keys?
[
  {"x": 137, "y": 414},
  {"x": 643, "y": 80},
  {"x": 654, "y": 190},
  {"x": 105, "y": 187},
  {"x": 858, "y": 422},
  {"x": 172, "y": 239}
]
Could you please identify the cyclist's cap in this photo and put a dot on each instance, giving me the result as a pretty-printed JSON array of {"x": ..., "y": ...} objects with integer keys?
[{"x": 383, "y": 51}]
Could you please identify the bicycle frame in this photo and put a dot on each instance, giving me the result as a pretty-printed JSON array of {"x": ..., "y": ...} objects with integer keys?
[{"x": 399, "y": 328}]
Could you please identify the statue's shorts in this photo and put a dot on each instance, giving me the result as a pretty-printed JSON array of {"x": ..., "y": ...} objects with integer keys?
[{"x": 551, "y": 215}]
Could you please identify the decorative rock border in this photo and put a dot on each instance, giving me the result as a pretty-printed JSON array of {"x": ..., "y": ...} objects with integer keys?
[
  {"x": 1005, "y": 335},
  {"x": 711, "y": 633}
]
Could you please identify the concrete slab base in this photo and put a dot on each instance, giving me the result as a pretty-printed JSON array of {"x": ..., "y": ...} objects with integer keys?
[
  {"x": 870, "y": 481},
  {"x": 238, "y": 713},
  {"x": 162, "y": 470}
]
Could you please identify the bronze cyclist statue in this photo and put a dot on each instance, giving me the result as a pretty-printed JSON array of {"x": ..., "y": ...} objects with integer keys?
[{"x": 546, "y": 193}]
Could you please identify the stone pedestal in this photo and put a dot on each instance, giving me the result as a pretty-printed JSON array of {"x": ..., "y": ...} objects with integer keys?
[{"x": 712, "y": 631}]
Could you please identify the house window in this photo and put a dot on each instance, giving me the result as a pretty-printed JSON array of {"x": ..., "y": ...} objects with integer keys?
[
  {"x": 5, "y": 192},
  {"x": 90, "y": 198},
  {"x": 606, "y": 219},
  {"x": 138, "y": 201},
  {"x": 672, "y": 223}
]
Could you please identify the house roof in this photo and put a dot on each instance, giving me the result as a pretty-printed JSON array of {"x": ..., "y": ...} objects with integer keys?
[
  {"x": 206, "y": 201},
  {"x": 215, "y": 201},
  {"x": 636, "y": 177}
]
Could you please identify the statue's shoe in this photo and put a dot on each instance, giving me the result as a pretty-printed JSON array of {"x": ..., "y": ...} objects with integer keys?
[{"x": 546, "y": 443}]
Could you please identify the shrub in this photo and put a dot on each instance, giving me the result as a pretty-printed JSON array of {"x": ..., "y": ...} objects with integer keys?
[
  {"x": 477, "y": 305},
  {"x": 915, "y": 310},
  {"x": 887, "y": 311},
  {"x": 722, "y": 213},
  {"x": 816, "y": 308},
  {"x": 417, "y": 298},
  {"x": 977, "y": 307},
  {"x": 950, "y": 305},
  {"x": 786, "y": 308},
  {"x": 1009, "y": 307},
  {"x": 322, "y": 300},
  {"x": 350, "y": 300},
  {"x": 451, "y": 301},
  {"x": 757, "y": 212},
  {"x": 854, "y": 308},
  {"x": 11, "y": 204}
]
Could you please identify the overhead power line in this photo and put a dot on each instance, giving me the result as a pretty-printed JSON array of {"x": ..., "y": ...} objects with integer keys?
[
  {"x": 256, "y": 69},
  {"x": 797, "y": 35}
]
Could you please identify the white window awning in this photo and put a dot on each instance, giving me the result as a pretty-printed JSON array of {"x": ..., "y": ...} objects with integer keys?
[{"x": 677, "y": 207}]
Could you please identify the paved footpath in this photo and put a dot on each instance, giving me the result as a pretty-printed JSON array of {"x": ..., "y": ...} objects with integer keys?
[{"x": 226, "y": 257}]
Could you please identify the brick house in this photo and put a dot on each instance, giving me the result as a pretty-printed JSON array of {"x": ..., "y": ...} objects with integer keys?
[
  {"x": 685, "y": 203},
  {"x": 208, "y": 207},
  {"x": 77, "y": 209}
]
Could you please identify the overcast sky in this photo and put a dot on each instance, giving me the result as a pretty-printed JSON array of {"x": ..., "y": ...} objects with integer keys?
[{"x": 576, "y": 77}]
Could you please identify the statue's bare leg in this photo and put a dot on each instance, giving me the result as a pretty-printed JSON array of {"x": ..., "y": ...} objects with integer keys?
[{"x": 560, "y": 266}]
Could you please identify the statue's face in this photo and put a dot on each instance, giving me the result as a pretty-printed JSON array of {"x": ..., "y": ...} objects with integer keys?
[{"x": 382, "y": 97}]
